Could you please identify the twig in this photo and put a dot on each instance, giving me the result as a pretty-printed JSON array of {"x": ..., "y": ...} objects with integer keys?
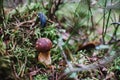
[
  {"x": 70, "y": 66},
  {"x": 14, "y": 72},
  {"x": 16, "y": 19},
  {"x": 21, "y": 24},
  {"x": 104, "y": 23},
  {"x": 23, "y": 70},
  {"x": 55, "y": 5},
  {"x": 116, "y": 23},
  {"x": 89, "y": 7},
  {"x": 102, "y": 62},
  {"x": 63, "y": 53},
  {"x": 114, "y": 33}
]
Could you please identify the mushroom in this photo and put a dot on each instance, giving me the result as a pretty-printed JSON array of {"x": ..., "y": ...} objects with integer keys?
[{"x": 43, "y": 46}]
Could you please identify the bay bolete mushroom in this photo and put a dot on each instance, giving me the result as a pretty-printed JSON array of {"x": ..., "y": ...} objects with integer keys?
[{"x": 43, "y": 46}]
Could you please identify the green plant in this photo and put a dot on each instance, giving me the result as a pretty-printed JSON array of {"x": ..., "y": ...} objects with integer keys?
[
  {"x": 41, "y": 77},
  {"x": 116, "y": 64}
]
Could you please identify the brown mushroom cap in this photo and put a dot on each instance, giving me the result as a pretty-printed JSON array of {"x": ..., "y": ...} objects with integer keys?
[{"x": 43, "y": 44}]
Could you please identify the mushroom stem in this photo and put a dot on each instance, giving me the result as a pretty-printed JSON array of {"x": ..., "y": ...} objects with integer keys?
[{"x": 44, "y": 57}]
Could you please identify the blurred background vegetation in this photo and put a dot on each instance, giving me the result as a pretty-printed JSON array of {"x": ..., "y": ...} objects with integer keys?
[{"x": 88, "y": 30}]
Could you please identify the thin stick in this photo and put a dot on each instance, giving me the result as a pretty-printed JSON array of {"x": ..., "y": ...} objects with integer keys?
[
  {"x": 104, "y": 23},
  {"x": 92, "y": 21},
  {"x": 63, "y": 53},
  {"x": 114, "y": 33}
]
